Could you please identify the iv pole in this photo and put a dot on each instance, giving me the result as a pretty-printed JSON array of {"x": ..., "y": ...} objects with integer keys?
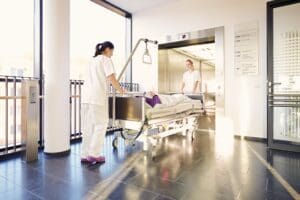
[
  {"x": 132, "y": 53},
  {"x": 123, "y": 71}
]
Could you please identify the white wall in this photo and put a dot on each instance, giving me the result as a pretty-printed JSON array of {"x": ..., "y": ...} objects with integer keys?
[
  {"x": 208, "y": 78},
  {"x": 245, "y": 96}
]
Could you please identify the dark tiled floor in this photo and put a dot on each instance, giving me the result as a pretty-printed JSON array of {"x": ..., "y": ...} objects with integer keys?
[{"x": 208, "y": 168}]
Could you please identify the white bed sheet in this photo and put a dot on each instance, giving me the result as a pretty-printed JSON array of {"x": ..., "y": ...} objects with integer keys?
[{"x": 163, "y": 111}]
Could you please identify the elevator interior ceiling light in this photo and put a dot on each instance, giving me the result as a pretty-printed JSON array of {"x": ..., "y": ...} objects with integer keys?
[{"x": 204, "y": 51}]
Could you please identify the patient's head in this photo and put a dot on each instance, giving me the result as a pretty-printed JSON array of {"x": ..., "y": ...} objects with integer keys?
[{"x": 151, "y": 93}]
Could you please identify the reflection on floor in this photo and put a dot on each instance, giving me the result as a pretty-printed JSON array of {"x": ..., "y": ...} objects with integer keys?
[
  {"x": 182, "y": 170},
  {"x": 207, "y": 122}
]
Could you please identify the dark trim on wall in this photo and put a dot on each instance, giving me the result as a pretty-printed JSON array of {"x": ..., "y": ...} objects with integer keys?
[
  {"x": 249, "y": 138},
  {"x": 58, "y": 154},
  {"x": 41, "y": 75},
  {"x": 9, "y": 156},
  {"x": 113, "y": 8},
  {"x": 269, "y": 68},
  {"x": 15, "y": 154},
  {"x": 76, "y": 140},
  {"x": 128, "y": 16},
  {"x": 280, "y": 3},
  {"x": 11, "y": 148}
]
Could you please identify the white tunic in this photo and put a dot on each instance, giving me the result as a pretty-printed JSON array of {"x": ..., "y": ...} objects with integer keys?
[
  {"x": 189, "y": 79},
  {"x": 95, "y": 86}
]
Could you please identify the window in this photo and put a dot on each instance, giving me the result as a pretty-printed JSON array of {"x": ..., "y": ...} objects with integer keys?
[
  {"x": 16, "y": 37},
  {"x": 16, "y": 59},
  {"x": 91, "y": 24}
]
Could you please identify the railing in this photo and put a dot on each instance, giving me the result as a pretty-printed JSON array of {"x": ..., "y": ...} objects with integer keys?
[
  {"x": 75, "y": 107},
  {"x": 133, "y": 87},
  {"x": 10, "y": 113}
]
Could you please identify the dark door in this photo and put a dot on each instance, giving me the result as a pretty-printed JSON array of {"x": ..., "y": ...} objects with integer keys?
[{"x": 284, "y": 74}]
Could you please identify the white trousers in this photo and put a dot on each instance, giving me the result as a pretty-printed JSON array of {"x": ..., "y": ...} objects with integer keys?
[{"x": 94, "y": 121}]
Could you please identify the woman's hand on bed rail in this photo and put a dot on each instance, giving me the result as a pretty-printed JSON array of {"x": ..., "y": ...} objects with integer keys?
[
  {"x": 124, "y": 91},
  {"x": 132, "y": 94},
  {"x": 115, "y": 83}
]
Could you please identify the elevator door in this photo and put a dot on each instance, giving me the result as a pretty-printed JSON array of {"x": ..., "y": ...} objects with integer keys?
[{"x": 284, "y": 75}]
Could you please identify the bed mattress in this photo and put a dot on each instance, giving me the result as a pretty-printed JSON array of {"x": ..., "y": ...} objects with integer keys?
[{"x": 164, "y": 111}]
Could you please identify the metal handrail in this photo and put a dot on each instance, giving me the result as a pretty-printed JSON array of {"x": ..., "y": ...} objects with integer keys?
[
  {"x": 75, "y": 108},
  {"x": 283, "y": 95},
  {"x": 3, "y": 77},
  {"x": 11, "y": 97},
  {"x": 284, "y": 100},
  {"x": 284, "y": 105},
  {"x": 10, "y": 120}
]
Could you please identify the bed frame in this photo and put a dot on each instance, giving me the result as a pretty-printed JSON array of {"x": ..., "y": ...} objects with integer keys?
[{"x": 131, "y": 120}]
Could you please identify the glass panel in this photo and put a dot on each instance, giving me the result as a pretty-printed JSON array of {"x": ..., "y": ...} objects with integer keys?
[
  {"x": 10, "y": 116},
  {"x": 287, "y": 124},
  {"x": 287, "y": 49},
  {"x": 286, "y": 72},
  {"x": 91, "y": 24},
  {"x": 16, "y": 37},
  {"x": 16, "y": 59}
]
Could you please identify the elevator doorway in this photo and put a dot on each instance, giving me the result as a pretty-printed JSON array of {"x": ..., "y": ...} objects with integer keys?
[
  {"x": 173, "y": 68},
  {"x": 205, "y": 49}
]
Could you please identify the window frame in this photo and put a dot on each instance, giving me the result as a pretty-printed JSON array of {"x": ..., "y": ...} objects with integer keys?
[
  {"x": 128, "y": 37},
  {"x": 38, "y": 48}
]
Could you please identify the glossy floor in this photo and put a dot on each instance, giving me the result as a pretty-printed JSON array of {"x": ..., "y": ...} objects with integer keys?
[{"x": 208, "y": 168}]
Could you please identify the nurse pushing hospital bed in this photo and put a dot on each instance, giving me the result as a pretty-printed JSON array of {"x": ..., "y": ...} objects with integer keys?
[
  {"x": 151, "y": 117},
  {"x": 149, "y": 120}
]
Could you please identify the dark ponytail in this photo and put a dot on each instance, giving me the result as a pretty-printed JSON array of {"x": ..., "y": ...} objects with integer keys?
[{"x": 100, "y": 48}]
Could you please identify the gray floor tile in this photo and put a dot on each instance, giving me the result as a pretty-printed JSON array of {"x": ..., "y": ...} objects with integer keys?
[{"x": 180, "y": 170}]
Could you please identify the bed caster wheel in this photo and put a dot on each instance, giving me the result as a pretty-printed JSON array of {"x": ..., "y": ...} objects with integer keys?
[
  {"x": 193, "y": 136},
  {"x": 115, "y": 143},
  {"x": 133, "y": 143},
  {"x": 153, "y": 159},
  {"x": 190, "y": 136}
]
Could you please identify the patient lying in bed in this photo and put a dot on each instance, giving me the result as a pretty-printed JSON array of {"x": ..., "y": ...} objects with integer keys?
[
  {"x": 162, "y": 105},
  {"x": 154, "y": 100}
]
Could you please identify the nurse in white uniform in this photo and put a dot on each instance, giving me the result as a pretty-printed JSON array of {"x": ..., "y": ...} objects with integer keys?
[
  {"x": 100, "y": 74},
  {"x": 190, "y": 79}
]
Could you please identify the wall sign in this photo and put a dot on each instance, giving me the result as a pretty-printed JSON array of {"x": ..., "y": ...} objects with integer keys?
[{"x": 246, "y": 48}]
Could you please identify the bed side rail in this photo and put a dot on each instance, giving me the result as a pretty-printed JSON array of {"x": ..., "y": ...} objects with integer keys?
[{"x": 130, "y": 108}]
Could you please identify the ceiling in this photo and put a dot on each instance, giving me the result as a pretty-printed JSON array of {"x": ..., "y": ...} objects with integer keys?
[
  {"x": 137, "y": 5},
  {"x": 204, "y": 52}
]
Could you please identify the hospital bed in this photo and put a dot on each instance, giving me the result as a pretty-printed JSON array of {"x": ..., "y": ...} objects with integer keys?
[{"x": 139, "y": 121}]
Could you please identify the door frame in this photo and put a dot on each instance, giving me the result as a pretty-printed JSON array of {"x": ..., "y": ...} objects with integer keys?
[
  {"x": 216, "y": 35},
  {"x": 279, "y": 145}
]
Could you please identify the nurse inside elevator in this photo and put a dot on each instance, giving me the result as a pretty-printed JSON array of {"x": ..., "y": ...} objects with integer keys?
[
  {"x": 190, "y": 79},
  {"x": 100, "y": 74}
]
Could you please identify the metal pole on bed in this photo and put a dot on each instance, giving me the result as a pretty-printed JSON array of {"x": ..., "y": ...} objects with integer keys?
[{"x": 123, "y": 71}]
